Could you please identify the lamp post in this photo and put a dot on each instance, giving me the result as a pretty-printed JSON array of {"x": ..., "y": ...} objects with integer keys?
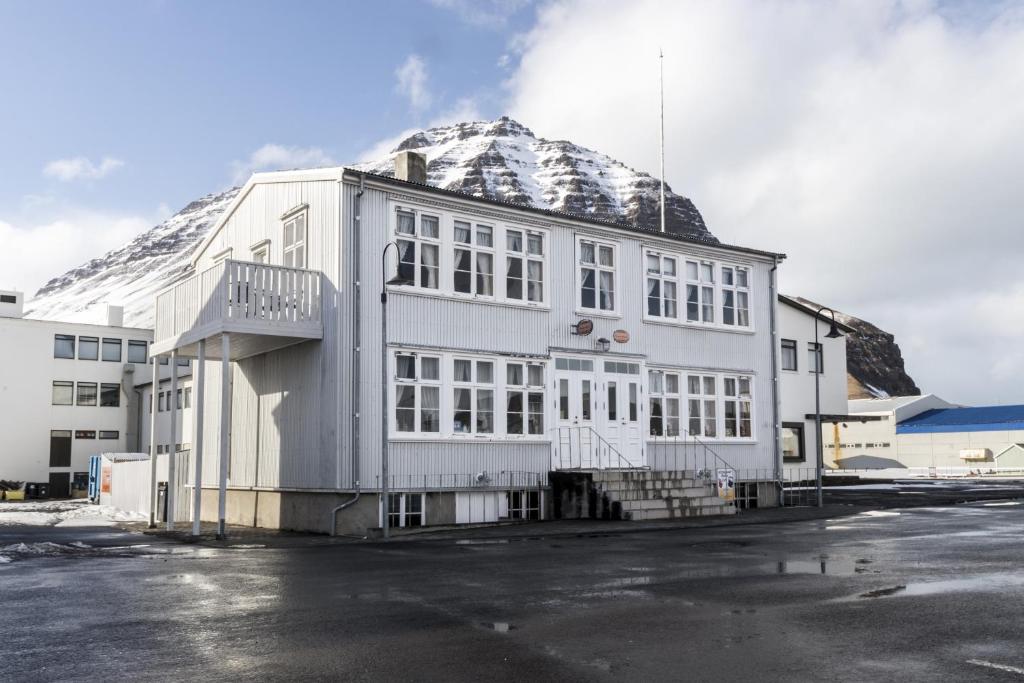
[
  {"x": 384, "y": 282},
  {"x": 819, "y": 362}
]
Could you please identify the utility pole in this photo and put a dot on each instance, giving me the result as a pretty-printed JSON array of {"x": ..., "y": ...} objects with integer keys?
[{"x": 661, "y": 146}]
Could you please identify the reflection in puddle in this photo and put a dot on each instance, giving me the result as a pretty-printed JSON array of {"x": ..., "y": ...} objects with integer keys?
[
  {"x": 983, "y": 582},
  {"x": 880, "y": 513},
  {"x": 1008, "y": 502}
]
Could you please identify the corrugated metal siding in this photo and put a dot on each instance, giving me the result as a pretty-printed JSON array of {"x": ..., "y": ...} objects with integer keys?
[
  {"x": 444, "y": 323},
  {"x": 285, "y": 417}
]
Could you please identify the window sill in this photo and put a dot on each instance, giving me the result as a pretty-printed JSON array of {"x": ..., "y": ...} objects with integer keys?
[
  {"x": 710, "y": 327},
  {"x": 609, "y": 315}
]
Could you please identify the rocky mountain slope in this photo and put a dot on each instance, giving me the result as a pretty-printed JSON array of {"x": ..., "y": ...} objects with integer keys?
[{"x": 874, "y": 362}]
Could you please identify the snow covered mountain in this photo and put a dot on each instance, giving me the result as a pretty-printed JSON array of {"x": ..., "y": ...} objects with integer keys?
[
  {"x": 132, "y": 275},
  {"x": 499, "y": 159}
]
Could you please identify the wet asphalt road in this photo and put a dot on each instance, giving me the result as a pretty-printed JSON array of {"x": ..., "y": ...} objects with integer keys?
[{"x": 915, "y": 595}]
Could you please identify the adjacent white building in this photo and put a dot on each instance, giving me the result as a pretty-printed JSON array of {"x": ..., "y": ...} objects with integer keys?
[
  {"x": 801, "y": 361},
  {"x": 66, "y": 390},
  {"x": 519, "y": 341}
]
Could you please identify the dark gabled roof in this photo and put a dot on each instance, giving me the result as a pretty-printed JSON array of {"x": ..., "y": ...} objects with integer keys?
[
  {"x": 551, "y": 213},
  {"x": 981, "y": 419},
  {"x": 804, "y": 308}
]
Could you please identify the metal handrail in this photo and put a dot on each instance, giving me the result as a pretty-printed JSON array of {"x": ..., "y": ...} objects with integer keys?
[
  {"x": 608, "y": 457},
  {"x": 707, "y": 465}
]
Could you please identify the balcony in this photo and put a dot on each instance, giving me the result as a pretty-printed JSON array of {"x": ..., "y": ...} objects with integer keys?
[{"x": 262, "y": 307}]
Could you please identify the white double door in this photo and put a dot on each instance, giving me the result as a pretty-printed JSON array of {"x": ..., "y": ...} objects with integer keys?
[{"x": 608, "y": 402}]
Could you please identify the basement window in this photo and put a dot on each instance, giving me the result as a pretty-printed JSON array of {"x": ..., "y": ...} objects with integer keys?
[{"x": 405, "y": 510}]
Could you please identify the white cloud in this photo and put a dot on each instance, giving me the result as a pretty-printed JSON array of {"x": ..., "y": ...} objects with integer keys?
[
  {"x": 412, "y": 83},
  {"x": 80, "y": 168},
  {"x": 878, "y": 144},
  {"x": 272, "y": 157},
  {"x": 492, "y": 14},
  {"x": 36, "y": 251}
]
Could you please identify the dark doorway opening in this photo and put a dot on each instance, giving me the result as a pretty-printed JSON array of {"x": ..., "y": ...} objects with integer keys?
[{"x": 60, "y": 484}]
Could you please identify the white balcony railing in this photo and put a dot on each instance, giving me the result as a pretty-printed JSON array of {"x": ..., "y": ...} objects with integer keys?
[{"x": 241, "y": 297}]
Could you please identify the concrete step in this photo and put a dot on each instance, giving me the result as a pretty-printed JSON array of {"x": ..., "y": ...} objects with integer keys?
[
  {"x": 672, "y": 503},
  {"x": 641, "y": 475},
  {"x": 705, "y": 511},
  {"x": 653, "y": 485},
  {"x": 661, "y": 494}
]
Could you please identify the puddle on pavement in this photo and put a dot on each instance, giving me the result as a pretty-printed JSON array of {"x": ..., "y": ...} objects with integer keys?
[
  {"x": 880, "y": 513},
  {"x": 246, "y": 546},
  {"x": 483, "y": 541},
  {"x": 498, "y": 626},
  {"x": 1003, "y": 504},
  {"x": 973, "y": 584}
]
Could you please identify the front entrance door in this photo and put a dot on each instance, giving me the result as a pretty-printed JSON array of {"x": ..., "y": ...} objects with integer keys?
[
  {"x": 599, "y": 412},
  {"x": 60, "y": 484},
  {"x": 622, "y": 417}
]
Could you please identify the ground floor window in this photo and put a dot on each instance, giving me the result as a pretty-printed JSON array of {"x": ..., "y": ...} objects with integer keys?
[
  {"x": 405, "y": 510},
  {"x": 793, "y": 442},
  {"x": 523, "y": 504},
  {"x": 746, "y": 495}
]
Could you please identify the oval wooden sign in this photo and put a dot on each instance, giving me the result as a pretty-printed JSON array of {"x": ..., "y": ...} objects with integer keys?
[
  {"x": 584, "y": 327},
  {"x": 621, "y": 336}
]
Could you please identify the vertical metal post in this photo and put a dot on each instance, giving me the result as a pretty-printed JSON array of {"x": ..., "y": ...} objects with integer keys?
[
  {"x": 818, "y": 357},
  {"x": 155, "y": 388},
  {"x": 384, "y": 523},
  {"x": 173, "y": 448},
  {"x": 198, "y": 377},
  {"x": 225, "y": 431}
]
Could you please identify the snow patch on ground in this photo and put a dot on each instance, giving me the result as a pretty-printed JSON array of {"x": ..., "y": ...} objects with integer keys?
[{"x": 64, "y": 514}]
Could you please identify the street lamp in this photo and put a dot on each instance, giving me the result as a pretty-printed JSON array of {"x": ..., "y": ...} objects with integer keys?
[
  {"x": 384, "y": 283},
  {"x": 819, "y": 362}
]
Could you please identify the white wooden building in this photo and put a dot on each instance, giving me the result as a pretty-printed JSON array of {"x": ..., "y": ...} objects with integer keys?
[{"x": 519, "y": 341}]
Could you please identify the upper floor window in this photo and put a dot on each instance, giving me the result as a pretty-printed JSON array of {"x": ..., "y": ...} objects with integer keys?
[
  {"x": 136, "y": 351},
  {"x": 815, "y": 357},
  {"x": 700, "y": 291},
  {"x": 63, "y": 346},
  {"x": 419, "y": 249},
  {"x": 735, "y": 296},
  {"x": 662, "y": 286},
  {"x": 261, "y": 252},
  {"x": 88, "y": 348},
  {"x": 112, "y": 350},
  {"x": 110, "y": 395},
  {"x": 63, "y": 393},
  {"x": 596, "y": 266},
  {"x": 524, "y": 258},
  {"x": 294, "y": 241},
  {"x": 789, "y": 355},
  {"x": 86, "y": 394},
  {"x": 474, "y": 259}
]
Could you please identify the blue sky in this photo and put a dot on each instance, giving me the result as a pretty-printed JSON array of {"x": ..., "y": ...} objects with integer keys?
[
  {"x": 178, "y": 91},
  {"x": 877, "y": 143}
]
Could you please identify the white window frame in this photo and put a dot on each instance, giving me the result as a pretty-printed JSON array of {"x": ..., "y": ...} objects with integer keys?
[
  {"x": 418, "y": 239},
  {"x": 732, "y": 394},
  {"x": 403, "y": 513},
  {"x": 291, "y": 248},
  {"x": 705, "y": 400},
  {"x": 447, "y": 386},
  {"x": 260, "y": 252},
  {"x": 580, "y": 266},
  {"x": 704, "y": 287},
  {"x": 476, "y": 249},
  {"x": 525, "y": 389},
  {"x": 222, "y": 256},
  {"x": 740, "y": 293},
  {"x": 664, "y": 280},
  {"x": 659, "y": 393},
  {"x": 475, "y": 386},
  {"x": 418, "y": 384},
  {"x": 526, "y": 258}
]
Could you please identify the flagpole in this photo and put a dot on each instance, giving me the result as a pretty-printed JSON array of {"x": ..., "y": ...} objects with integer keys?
[{"x": 661, "y": 68}]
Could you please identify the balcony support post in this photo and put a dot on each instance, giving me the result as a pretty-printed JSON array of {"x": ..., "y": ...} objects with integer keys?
[
  {"x": 225, "y": 431},
  {"x": 199, "y": 377},
  {"x": 172, "y": 455},
  {"x": 153, "y": 406}
]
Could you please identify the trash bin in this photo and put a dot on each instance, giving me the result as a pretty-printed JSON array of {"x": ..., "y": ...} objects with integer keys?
[
  {"x": 161, "y": 501},
  {"x": 31, "y": 490}
]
